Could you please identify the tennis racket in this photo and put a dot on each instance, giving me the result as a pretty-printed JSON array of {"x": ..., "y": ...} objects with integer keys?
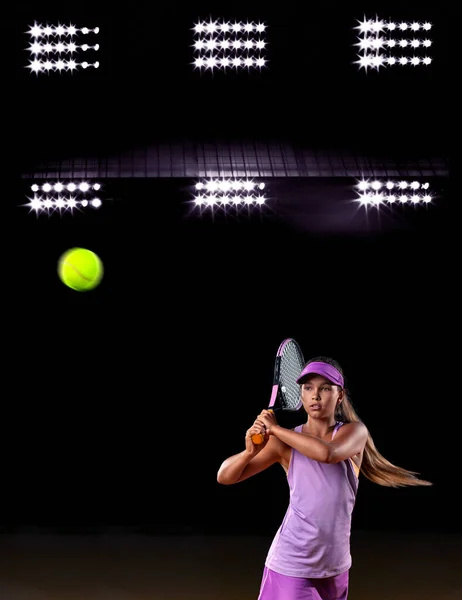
[{"x": 285, "y": 397}]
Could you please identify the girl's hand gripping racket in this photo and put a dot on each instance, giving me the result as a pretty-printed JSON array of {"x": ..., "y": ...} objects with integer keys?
[{"x": 285, "y": 395}]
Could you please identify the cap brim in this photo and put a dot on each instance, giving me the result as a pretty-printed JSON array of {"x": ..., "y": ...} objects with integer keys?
[{"x": 324, "y": 370}]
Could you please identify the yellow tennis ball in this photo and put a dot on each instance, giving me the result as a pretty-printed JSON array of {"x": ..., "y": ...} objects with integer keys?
[{"x": 80, "y": 269}]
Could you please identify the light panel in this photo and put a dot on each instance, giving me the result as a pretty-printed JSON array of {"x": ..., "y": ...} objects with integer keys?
[
  {"x": 63, "y": 197},
  {"x": 384, "y": 43},
  {"x": 229, "y": 193},
  {"x": 401, "y": 192},
  {"x": 226, "y": 46},
  {"x": 57, "y": 48}
]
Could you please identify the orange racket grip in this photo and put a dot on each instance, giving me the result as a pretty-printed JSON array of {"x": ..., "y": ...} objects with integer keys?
[{"x": 258, "y": 438}]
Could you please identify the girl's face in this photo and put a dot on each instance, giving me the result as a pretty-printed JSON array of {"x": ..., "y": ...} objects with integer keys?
[{"x": 320, "y": 396}]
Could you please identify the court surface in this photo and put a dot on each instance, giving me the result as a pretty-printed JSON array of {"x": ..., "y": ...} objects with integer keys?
[{"x": 116, "y": 566}]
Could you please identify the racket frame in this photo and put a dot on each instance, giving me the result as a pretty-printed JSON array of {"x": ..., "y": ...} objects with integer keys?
[{"x": 276, "y": 393}]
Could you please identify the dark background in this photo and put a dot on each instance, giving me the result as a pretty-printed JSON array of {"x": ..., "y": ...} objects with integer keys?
[
  {"x": 120, "y": 404},
  {"x": 146, "y": 89}
]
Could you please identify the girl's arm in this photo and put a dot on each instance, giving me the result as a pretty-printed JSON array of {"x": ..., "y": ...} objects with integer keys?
[{"x": 349, "y": 440}]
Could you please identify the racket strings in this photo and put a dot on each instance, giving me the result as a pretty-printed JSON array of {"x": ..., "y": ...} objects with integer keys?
[{"x": 292, "y": 363}]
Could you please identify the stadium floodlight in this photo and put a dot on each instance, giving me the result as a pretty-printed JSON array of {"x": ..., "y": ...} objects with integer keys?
[
  {"x": 55, "y": 48},
  {"x": 61, "y": 197},
  {"x": 224, "y": 45},
  {"x": 234, "y": 193},
  {"x": 402, "y": 192},
  {"x": 384, "y": 43}
]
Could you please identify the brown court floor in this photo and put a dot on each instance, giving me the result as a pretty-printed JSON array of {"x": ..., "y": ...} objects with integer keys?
[{"x": 386, "y": 566}]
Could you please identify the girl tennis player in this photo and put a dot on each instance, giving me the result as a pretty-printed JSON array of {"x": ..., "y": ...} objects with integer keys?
[{"x": 309, "y": 558}]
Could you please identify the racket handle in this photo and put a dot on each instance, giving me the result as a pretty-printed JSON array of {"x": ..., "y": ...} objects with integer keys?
[{"x": 258, "y": 438}]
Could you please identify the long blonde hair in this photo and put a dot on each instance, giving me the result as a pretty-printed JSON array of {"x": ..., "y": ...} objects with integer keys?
[{"x": 374, "y": 466}]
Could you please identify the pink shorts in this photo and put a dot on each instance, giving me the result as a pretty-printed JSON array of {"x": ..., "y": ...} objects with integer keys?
[{"x": 275, "y": 586}]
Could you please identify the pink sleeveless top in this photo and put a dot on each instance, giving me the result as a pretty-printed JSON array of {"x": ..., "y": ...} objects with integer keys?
[{"x": 313, "y": 540}]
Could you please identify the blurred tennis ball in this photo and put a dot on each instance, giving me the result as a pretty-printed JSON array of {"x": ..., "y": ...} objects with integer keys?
[{"x": 80, "y": 269}]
